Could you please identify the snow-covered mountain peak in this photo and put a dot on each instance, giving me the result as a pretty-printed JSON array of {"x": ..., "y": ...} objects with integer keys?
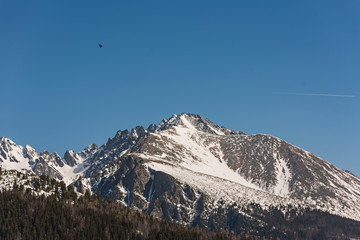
[
  {"x": 9, "y": 148},
  {"x": 30, "y": 153},
  {"x": 122, "y": 135},
  {"x": 71, "y": 158},
  {"x": 190, "y": 150},
  {"x": 52, "y": 158},
  {"x": 138, "y": 132},
  {"x": 195, "y": 122},
  {"x": 88, "y": 151},
  {"x": 6, "y": 141},
  {"x": 27, "y": 159},
  {"x": 29, "y": 148},
  {"x": 91, "y": 147},
  {"x": 15, "y": 157}
]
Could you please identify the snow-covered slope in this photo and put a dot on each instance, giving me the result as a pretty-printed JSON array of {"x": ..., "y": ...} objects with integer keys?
[
  {"x": 246, "y": 168},
  {"x": 186, "y": 148},
  {"x": 169, "y": 169},
  {"x": 26, "y": 159},
  {"x": 15, "y": 157}
]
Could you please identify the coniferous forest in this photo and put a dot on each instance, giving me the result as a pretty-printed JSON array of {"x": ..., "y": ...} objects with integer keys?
[
  {"x": 26, "y": 216},
  {"x": 44, "y": 208}
]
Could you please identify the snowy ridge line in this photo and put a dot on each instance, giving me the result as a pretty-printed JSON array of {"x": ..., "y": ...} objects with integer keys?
[
  {"x": 187, "y": 151},
  {"x": 26, "y": 159},
  {"x": 220, "y": 162}
]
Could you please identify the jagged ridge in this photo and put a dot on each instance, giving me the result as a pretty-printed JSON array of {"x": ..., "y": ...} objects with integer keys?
[{"x": 186, "y": 167}]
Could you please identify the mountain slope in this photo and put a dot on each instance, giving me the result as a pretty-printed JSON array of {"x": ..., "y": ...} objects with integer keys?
[
  {"x": 259, "y": 162},
  {"x": 188, "y": 170}
]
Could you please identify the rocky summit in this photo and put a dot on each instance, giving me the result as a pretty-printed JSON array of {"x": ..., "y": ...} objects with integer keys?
[{"x": 189, "y": 170}]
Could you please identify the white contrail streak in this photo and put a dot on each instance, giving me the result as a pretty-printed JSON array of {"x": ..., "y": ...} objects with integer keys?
[{"x": 321, "y": 95}]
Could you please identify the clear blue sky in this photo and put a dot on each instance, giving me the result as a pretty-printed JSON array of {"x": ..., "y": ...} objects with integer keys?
[{"x": 239, "y": 63}]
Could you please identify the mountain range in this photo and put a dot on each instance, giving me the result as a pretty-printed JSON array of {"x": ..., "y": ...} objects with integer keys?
[{"x": 191, "y": 171}]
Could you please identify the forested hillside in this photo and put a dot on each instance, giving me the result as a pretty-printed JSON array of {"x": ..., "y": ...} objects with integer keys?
[
  {"x": 33, "y": 207},
  {"x": 26, "y": 216}
]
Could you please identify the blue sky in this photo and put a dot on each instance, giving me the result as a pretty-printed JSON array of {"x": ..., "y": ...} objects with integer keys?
[{"x": 253, "y": 66}]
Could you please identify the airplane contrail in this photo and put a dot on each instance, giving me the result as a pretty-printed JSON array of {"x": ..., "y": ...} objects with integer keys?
[{"x": 321, "y": 95}]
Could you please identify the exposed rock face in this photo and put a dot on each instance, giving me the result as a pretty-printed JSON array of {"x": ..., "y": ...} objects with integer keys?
[
  {"x": 42, "y": 167},
  {"x": 71, "y": 158},
  {"x": 88, "y": 151},
  {"x": 52, "y": 158},
  {"x": 191, "y": 171},
  {"x": 31, "y": 154}
]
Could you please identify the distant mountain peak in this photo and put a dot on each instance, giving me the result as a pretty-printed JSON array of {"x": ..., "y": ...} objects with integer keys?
[
  {"x": 5, "y": 140},
  {"x": 92, "y": 146},
  {"x": 194, "y": 121},
  {"x": 186, "y": 157}
]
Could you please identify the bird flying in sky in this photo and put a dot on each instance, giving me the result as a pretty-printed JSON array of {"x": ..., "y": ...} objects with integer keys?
[{"x": 100, "y": 45}]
